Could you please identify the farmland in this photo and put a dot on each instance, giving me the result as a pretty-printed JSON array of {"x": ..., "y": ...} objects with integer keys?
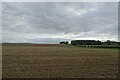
[{"x": 58, "y": 61}]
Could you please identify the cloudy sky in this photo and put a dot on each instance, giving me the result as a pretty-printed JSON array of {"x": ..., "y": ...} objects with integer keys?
[{"x": 52, "y": 22}]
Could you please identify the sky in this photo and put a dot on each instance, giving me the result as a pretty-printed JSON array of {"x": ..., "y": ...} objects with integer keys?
[{"x": 52, "y": 22}]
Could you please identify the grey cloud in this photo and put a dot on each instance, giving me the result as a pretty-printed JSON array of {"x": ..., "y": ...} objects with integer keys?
[{"x": 57, "y": 18}]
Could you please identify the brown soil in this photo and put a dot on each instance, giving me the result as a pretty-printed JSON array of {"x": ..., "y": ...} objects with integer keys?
[{"x": 48, "y": 61}]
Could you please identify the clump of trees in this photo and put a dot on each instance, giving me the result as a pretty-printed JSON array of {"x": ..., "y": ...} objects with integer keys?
[
  {"x": 108, "y": 42},
  {"x": 86, "y": 42},
  {"x": 94, "y": 43},
  {"x": 64, "y": 42}
]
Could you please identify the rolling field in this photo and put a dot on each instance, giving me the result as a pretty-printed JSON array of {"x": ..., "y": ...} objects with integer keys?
[{"x": 58, "y": 61}]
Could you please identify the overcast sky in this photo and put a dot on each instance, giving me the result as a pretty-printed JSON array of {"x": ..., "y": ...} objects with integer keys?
[{"x": 52, "y": 22}]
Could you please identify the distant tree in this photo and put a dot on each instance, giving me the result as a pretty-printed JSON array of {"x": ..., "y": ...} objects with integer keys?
[
  {"x": 85, "y": 42},
  {"x": 108, "y": 42},
  {"x": 64, "y": 42},
  {"x": 73, "y": 42}
]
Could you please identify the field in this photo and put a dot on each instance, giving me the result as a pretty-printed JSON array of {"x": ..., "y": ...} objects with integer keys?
[{"x": 58, "y": 61}]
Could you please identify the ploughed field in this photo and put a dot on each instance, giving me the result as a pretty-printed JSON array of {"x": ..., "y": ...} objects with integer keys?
[{"x": 58, "y": 61}]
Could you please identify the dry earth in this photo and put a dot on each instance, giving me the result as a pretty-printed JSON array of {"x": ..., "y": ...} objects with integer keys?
[{"x": 55, "y": 61}]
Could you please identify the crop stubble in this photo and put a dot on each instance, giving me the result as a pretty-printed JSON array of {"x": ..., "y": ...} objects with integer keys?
[{"x": 35, "y": 61}]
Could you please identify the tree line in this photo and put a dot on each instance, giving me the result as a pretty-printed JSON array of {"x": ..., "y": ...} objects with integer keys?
[{"x": 90, "y": 42}]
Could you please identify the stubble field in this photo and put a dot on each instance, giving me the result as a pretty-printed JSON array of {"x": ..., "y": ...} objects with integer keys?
[{"x": 58, "y": 61}]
